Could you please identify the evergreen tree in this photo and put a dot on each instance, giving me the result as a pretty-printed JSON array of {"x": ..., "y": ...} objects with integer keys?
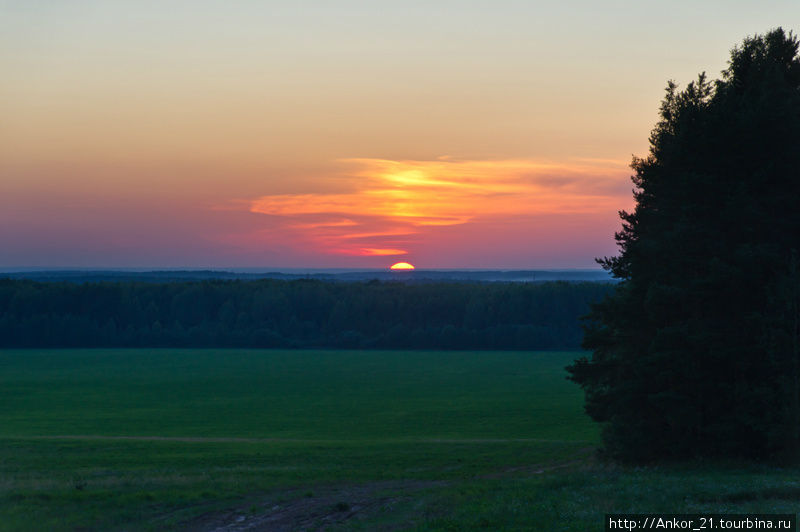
[{"x": 696, "y": 352}]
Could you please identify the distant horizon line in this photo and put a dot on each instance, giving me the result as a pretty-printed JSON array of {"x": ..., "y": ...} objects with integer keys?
[{"x": 26, "y": 269}]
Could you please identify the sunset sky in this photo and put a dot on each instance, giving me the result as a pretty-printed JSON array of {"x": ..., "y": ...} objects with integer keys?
[{"x": 341, "y": 134}]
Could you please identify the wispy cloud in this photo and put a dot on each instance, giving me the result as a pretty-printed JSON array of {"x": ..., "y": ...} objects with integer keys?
[{"x": 387, "y": 206}]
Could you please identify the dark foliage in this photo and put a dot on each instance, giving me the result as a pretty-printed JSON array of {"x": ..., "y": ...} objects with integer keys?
[
  {"x": 306, "y": 313},
  {"x": 696, "y": 352}
]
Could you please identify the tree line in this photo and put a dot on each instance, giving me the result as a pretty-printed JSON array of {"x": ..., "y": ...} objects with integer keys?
[
  {"x": 296, "y": 314},
  {"x": 697, "y": 352}
]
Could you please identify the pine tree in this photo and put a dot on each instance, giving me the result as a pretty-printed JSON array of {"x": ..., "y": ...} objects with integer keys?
[{"x": 696, "y": 352}]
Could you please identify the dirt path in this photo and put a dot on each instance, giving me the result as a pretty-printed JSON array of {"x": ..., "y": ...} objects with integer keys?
[
  {"x": 334, "y": 506},
  {"x": 326, "y": 507}
]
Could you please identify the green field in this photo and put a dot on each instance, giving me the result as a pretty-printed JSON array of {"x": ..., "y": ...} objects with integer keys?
[{"x": 204, "y": 439}]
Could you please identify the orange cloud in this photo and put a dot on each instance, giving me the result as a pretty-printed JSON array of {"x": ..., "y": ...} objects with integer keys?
[
  {"x": 373, "y": 252},
  {"x": 388, "y": 206}
]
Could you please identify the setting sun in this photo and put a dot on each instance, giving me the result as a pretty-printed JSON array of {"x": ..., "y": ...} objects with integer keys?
[{"x": 401, "y": 266}]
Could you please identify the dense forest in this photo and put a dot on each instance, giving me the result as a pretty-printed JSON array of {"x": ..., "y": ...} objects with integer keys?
[
  {"x": 697, "y": 353},
  {"x": 298, "y": 314}
]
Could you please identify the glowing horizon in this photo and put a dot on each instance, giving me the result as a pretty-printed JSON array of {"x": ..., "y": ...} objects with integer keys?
[{"x": 281, "y": 135}]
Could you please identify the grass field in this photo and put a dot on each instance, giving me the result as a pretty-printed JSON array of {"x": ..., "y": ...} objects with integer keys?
[{"x": 234, "y": 439}]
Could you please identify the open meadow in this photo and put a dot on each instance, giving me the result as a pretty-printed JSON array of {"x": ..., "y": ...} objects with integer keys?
[{"x": 286, "y": 440}]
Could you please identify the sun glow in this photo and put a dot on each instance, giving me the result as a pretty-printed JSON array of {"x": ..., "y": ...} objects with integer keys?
[
  {"x": 401, "y": 266},
  {"x": 384, "y": 207}
]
